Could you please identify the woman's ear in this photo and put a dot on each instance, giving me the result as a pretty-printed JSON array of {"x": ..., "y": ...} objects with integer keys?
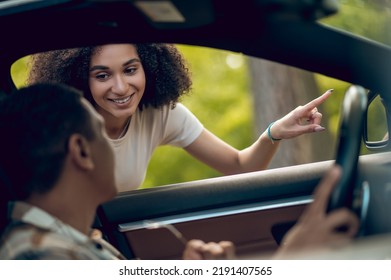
[{"x": 80, "y": 152}]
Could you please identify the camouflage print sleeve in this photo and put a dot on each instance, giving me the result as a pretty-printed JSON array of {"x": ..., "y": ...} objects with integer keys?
[{"x": 53, "y": 254}]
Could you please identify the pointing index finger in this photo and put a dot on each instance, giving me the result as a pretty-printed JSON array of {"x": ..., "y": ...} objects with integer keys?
[{"x": 317, "y": 101}]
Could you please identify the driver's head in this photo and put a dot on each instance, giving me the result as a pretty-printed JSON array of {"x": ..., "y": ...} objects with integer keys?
[
  {"x": 45, "y": 129},
  {"x": 36, "y": 123}
]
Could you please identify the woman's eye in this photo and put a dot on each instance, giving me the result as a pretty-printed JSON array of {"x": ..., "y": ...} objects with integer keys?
[
  {"x": 102, "y": 76},
  {"x": 130, "y": 70}
]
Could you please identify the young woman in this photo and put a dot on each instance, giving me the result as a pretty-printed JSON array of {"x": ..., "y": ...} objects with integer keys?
[{"x": 136, "y": 88}]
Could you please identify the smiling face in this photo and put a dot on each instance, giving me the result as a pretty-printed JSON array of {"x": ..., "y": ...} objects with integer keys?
[{"x": 116, "y": 80}]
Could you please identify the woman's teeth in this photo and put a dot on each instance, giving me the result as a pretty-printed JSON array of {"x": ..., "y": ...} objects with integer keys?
[{"x": 121, "y": 100}]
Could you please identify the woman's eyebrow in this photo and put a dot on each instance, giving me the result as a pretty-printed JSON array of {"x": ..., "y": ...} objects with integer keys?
[
  {"x": 130, "y": 61},
  {"x": 102, "y": 67},
  {"x": 98, "y": 67}
]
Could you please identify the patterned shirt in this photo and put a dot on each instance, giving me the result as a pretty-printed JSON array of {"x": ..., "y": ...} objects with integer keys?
[{"x": 35, "y": 234}]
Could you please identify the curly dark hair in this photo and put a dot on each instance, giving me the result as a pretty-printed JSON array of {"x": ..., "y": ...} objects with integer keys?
[{"x": 167, "y": 75}]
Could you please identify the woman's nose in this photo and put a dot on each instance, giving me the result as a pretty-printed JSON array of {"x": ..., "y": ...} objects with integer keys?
[{"x": 120, "y": 85}]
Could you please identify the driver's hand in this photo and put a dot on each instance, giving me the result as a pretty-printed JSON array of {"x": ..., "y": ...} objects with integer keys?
[
  {"x": 199, "y": 250},
  {"x": 318, "y": 229}
]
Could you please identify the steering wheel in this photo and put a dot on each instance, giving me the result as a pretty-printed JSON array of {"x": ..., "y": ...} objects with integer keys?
[{"x": 351, "y": 125}]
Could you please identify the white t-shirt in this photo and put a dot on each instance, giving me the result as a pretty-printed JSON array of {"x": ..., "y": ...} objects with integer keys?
[{"x": 147, "y": 130}]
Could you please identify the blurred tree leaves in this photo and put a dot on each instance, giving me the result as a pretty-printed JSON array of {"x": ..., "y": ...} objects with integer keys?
[
  {"x": 19, "y": 71},
  {"x": 368, "y": 18}
]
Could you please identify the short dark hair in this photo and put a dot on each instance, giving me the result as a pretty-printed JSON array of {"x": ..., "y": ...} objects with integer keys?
[
  {"x": 167, "y": 75},
  {"x": 36, "y": 123}
]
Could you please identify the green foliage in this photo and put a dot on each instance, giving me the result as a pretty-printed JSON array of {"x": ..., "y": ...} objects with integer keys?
[
  {"x": 19, "y": 71},
  {"x": 367, "y": 18}
]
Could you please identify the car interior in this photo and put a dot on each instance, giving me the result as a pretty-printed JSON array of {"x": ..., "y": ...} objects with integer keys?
[{"x": 253, "y": 210}]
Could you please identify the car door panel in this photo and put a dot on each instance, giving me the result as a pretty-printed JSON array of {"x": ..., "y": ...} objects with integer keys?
[{"x": 253, "y": 210}]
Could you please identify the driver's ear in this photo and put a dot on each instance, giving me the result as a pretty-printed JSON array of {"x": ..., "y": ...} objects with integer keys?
[{"x": 80, "y": 152}]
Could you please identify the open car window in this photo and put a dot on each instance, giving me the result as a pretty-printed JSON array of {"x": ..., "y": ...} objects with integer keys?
[{"x": 236, "y": 97}]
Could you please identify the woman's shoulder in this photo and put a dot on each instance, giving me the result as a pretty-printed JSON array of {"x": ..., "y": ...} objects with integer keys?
[{"x": 164, "y": 117}]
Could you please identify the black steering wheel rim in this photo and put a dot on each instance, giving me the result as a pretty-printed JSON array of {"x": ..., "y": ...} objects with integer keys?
[{"x": 348, "y": 150}]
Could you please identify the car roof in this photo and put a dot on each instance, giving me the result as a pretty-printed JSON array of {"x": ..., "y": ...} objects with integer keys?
[{"x": 284, "y": 31}]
